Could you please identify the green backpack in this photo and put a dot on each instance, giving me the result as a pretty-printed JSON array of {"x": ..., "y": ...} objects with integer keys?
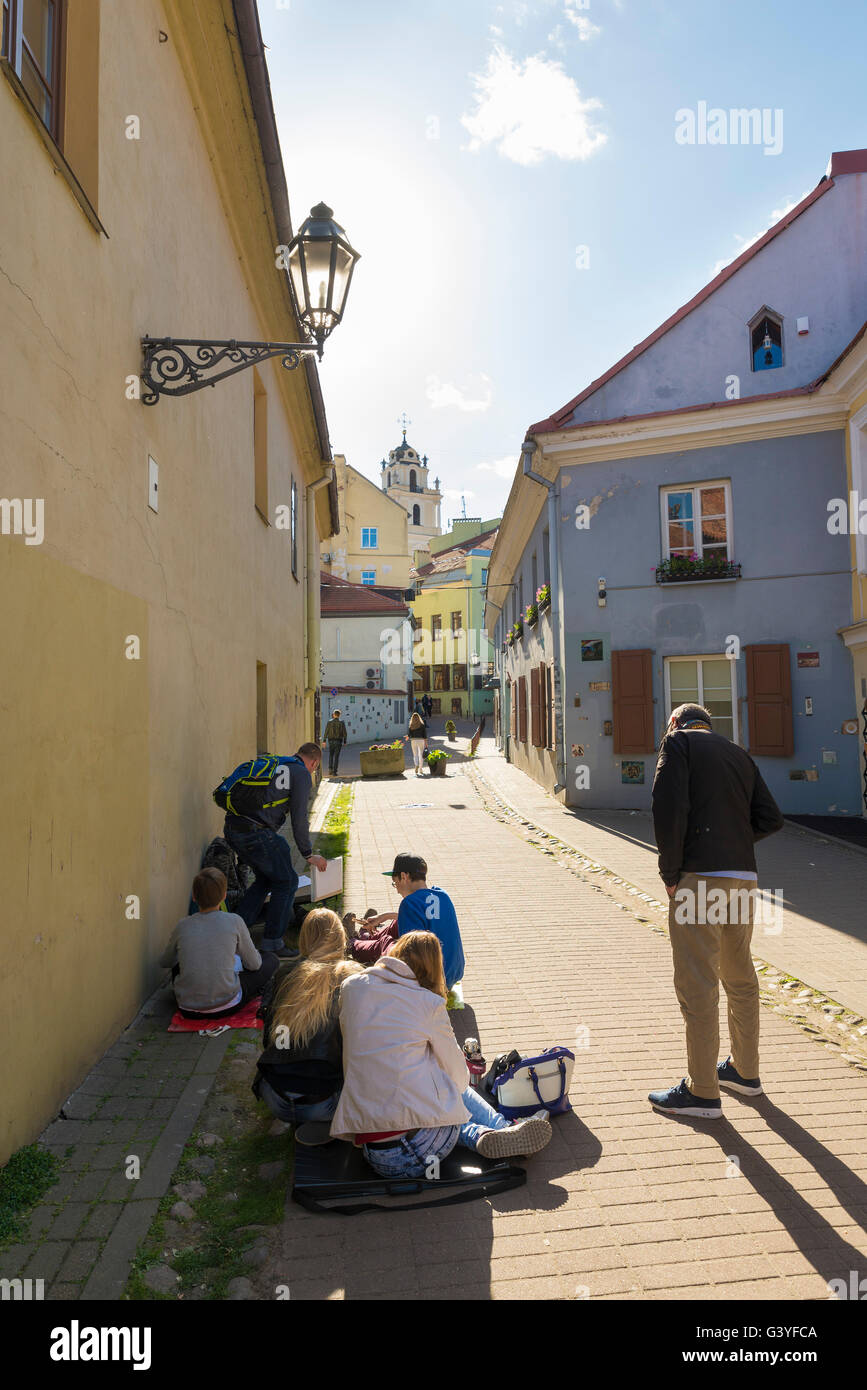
[{"x": 248, "y": 790}]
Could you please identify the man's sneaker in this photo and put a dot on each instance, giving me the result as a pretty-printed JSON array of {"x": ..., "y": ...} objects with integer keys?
[
  {"x": 681, "y": 1101},
  {"x": 733, "y": 1081},
  {"x": 518, "y": 1141}
]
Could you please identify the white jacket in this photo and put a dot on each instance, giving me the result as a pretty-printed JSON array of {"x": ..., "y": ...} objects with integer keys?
[{"x": 402, "y": 1066}]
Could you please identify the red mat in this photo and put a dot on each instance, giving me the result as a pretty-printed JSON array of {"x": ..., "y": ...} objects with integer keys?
[{"x": 243, "y": 1017}]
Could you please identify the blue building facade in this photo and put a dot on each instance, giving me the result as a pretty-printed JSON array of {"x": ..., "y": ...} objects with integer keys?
[{"x": 693, "y": 559}]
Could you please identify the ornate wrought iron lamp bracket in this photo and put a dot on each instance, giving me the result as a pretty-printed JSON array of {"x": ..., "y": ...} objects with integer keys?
[{"x": 179, "y": 366}]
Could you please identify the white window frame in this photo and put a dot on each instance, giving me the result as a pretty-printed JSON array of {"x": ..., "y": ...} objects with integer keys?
[
  {"x": 695, "y": 489},
  {"x": 370, "y": 531},
  {"x": 368, "y": 577},
  {"x": 700, "y": 657},
  {"x": 858, "y": 454}
]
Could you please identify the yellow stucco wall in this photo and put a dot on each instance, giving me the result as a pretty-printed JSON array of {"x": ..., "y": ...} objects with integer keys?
[
  {"x": 362, "y": 503},
  {"x": 109, "y": 763}
]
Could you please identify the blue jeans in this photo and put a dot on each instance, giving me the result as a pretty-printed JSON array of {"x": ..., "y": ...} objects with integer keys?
[
  {"x": 286, "y": 1108},
  {"x": 410, "y": 1158},
  {"x": 270, "y": 858}
]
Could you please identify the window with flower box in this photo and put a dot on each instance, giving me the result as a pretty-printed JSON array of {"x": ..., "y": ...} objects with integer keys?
[{"x": 697, "y": 533}]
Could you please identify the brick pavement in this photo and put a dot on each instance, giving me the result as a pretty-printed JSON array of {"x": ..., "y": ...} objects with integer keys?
[
  {"x": 824, "y": 883},
  {"x": 624, "y": 1203}
]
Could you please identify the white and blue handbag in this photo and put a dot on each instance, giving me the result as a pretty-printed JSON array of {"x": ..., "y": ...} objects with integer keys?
[{"x": 519, "y": 1086}]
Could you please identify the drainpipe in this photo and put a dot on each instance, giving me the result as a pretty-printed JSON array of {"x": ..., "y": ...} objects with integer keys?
[
  {"x": 528, "y": 449},
  {"x": 313, "y": 638}
]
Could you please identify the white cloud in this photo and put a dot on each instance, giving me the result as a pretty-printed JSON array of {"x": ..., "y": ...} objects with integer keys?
[
  {"x": 530, "y": 110},
  {"x": 504, "y": 468},
  {"x": 745, "y": 242},
  {"x": 457, "y": 494},
  {"x": 586, "y": 28},
  {"x": 444, "y": 393}
]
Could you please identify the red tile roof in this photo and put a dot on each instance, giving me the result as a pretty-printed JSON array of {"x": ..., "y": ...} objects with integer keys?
[
  {"x": 340, "y": 597},
  {"x": 839, "y": 164}
]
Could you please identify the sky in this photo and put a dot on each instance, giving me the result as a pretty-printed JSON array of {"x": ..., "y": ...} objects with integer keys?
[{"x": 533, "y": 187}]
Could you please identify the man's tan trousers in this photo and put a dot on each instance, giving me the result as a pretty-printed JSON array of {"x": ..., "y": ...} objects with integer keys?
[{"x": 710, "y": 921}]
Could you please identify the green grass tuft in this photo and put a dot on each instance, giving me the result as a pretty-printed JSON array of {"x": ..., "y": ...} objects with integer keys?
[{"x": 28, "y": 1174}]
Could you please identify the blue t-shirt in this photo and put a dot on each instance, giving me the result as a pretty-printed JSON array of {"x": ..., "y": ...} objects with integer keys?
[{"x": 430, "y": 909}]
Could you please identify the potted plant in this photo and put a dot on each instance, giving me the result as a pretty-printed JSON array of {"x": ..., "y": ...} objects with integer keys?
[
  {"x": 451, "y": 730},
  {"x": 543, "y": 597},
  {"x": 679, "y": 568},
  {"x": 518, "y": 629},
  {"x": 531, "y": 615},
  {"x": 383, "y": 759},
  {"x": 436, "y": 761}
]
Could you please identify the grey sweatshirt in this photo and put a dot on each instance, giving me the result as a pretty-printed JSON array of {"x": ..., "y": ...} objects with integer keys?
[{"x": 204, "y": 946}]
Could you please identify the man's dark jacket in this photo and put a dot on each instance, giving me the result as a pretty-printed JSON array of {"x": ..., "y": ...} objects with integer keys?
[
  {"x": 295, "y": 805},
  {"x": 710, "y": 805}
]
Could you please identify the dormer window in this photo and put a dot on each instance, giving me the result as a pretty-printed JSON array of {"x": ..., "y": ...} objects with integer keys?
[{"x": 766, "y": 340}]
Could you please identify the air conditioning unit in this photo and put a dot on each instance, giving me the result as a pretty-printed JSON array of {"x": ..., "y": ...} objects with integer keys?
[{"x": 374, "y": 678}]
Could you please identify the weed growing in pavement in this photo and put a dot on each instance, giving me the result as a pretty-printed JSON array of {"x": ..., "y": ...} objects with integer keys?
[
  {"x": 28, "y": 1174},
  {"x": 208, "y": 1253}
]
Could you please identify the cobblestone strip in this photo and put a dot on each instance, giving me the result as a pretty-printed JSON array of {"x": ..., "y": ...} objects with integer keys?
[{"x": 131, "y": 1116}]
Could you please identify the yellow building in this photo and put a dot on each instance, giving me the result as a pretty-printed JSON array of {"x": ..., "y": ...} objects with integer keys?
[
  {"x": 158, "y": 566},
  {"x": 372, "y": 545},
  {"x": 453, "y": 658}
]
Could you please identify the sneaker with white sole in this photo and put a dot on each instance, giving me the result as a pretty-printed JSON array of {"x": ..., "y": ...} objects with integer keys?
[
  {"x": 518, "y": 1141},
  {"x": 679, "y": 1100},
  {"x": 733, "y": 1081}
]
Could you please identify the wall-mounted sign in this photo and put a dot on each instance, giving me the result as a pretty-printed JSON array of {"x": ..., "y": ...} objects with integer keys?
[
  {"x": 577, "y": 750},
  {"x": 632, "y": 774},
  {"x": 829, "y": 755},
  {"x": 600, "y": 685},
  {"x": 592, "y": 649},
  {"x": 608, "y": 726},
  {"x": 808, "y": 658},
  {"x": 849, "y": 726}
]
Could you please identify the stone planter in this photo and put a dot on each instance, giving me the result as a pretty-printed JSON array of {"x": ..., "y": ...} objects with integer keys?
[{"x": 381, "y": 762}]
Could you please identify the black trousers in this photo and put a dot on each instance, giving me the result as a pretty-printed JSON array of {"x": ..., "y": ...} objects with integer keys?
[
  {"x": 252, "y": 983},
  {"x": 335, "y": 747}
]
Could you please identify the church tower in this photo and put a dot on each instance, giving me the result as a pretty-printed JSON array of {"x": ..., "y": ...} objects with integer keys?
[{"x": 405, "y": 480}]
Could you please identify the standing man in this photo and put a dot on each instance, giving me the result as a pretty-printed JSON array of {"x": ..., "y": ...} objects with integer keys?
[
  {"x": 427, "y": 705},
  {"x": 255, "y": 812},
  {"x": 335, "y": 736},
  {"x": 710, "y": 805}
]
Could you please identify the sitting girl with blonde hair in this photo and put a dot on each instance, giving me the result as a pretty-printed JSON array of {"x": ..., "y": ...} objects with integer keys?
[
  {"x": 300, "y": 1071},
  {"x": 406, "y": 1099}
]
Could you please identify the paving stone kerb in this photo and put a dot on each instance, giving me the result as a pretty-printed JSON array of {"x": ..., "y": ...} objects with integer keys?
[
  {"x": 624, "y": 1203},
  {"x": 83, "y": 1235},
  {"x": 824, "y": 884}
]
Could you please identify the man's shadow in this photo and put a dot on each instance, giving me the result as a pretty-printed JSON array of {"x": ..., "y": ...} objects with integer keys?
[{"x": 829, "y": 1252}]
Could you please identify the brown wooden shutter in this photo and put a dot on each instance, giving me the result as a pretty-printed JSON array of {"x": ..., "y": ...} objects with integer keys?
[
  {"x": 552, "y": 722},
  {"x": 632, "y": 698},
  {"x": 522, "y": 709},
  {"x": 769, "y": 700},
  {"x": 543, "y": 706},
  {"x": 535, "y": 710},
  {"x": 513, "y": 709}
]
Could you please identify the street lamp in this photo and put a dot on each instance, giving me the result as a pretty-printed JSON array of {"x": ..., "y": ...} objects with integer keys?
[{"x": 319, "y": 261}]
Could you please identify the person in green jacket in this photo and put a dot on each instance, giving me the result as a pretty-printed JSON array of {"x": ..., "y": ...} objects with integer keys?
[{"x": 335, "y": 737}]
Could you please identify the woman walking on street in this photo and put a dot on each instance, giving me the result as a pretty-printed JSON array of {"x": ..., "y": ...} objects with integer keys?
[{"x": 417, "y": 736}]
